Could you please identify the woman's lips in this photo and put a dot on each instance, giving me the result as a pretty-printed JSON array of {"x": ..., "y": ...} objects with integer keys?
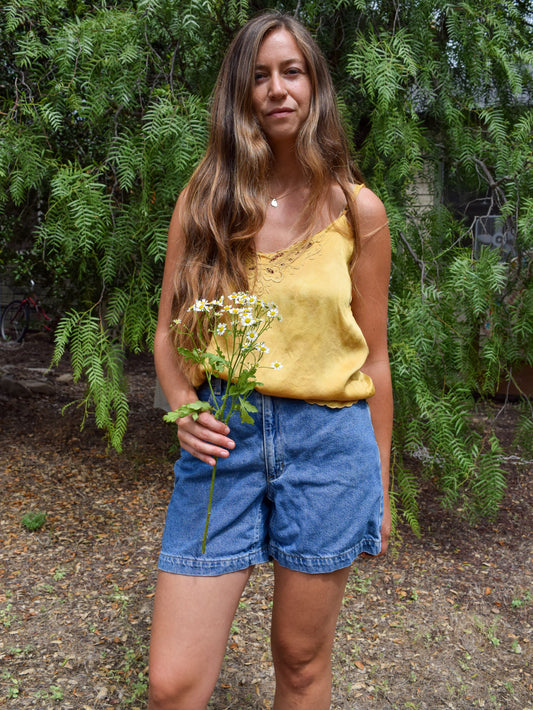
[{"x": 280, "y": 112}]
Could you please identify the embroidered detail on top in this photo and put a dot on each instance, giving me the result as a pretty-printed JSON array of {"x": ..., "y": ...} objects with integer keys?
[{"x": 272, "y": 267}]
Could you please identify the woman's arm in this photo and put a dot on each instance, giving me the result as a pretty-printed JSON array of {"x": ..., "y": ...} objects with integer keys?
[
  {"x": 369, "y": 306},
  {"x": 207, "y": 437}
]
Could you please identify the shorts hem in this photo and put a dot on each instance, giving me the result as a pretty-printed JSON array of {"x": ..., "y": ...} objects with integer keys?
[
  {"x": 330, "y": 563},
  {"x": 210, "y": 567}
]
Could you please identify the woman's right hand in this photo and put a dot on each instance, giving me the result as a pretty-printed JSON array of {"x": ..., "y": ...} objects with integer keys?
[{"x": 206, "y": 438}]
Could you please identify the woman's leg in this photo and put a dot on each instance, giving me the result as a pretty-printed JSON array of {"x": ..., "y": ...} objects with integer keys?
[
  {"x": 190, "y": 627},
  {"x": 304, "y": 617}
]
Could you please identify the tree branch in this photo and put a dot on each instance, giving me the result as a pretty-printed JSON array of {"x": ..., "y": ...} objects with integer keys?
[{"x": 421, "y": 265}]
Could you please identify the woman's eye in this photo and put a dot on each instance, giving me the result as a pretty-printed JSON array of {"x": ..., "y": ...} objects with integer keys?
[{"x": 259, "y": 75}]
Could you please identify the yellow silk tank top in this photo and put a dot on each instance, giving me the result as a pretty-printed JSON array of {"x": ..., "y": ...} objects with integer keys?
[{"x": 318, "y": 342}]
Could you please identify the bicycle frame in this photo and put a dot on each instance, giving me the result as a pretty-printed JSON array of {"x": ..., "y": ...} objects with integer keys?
[
  {"x": 34, "y": 304},
  {"x": 15, "y": 320}
]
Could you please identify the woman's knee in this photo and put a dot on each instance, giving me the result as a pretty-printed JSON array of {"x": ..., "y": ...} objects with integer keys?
[
  {"x": 301, "y": 666},
  {"x": 173, "y": 689}
]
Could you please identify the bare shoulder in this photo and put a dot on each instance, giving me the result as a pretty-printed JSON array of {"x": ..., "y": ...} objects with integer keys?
[
  {"x": 371, "y": 213},
  {"x": 369, "y": 205},
  {"x": 182, "y": 200},
  {"x": 177, "y": 215}
]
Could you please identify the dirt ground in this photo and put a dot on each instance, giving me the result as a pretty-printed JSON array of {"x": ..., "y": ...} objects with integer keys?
[{"x": 440, "y": 622}]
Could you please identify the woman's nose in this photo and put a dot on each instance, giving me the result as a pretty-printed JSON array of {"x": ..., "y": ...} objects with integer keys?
[{"x": 277, "y": 88}]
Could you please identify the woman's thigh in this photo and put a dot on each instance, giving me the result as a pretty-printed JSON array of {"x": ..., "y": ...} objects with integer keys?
[
  {"x": 304, "y": 615},
  {"x": 190, "y": 627}
]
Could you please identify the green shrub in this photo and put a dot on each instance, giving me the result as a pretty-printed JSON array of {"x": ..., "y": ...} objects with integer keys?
[{"x": 33, "y": 521}]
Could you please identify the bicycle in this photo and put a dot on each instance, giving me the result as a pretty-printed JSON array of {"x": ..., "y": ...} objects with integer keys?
[{"x": 15, "y": 322}]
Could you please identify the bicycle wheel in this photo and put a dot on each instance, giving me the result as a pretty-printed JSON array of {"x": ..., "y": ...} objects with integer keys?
[{"x": 15, "y": 321}]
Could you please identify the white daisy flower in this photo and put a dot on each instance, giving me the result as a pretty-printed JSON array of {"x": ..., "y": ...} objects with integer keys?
[
  {"x": 272, "y": 313},
  {"x": 176, "y": 321},
  {"x": 276, "y": 365},
  {"x": 221, "y": 328},
  {"x": 200, "y": 305},
  {"x": 239, "y": 297},
  {"x": 247, "y": 319},
  {"x": 262, "y": 348}
]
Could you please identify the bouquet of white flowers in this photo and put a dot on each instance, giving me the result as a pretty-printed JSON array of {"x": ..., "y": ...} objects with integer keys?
[{"x": 233, "y": 348}]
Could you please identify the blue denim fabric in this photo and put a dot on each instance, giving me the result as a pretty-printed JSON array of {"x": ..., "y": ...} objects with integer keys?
[{"x": 302, "y": 486}]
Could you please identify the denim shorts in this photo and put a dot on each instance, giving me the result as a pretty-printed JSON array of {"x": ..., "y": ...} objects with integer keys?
[{"x": 302, "y": 486}]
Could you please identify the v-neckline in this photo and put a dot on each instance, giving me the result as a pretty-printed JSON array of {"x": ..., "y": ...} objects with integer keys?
[{"x": 269, "y": 254}]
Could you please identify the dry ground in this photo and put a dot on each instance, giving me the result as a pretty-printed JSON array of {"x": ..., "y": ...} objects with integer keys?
[{"x": 441, "y": 622}]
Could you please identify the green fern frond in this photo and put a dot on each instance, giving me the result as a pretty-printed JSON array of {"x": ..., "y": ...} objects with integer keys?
[{"x": 407, "y": 490}]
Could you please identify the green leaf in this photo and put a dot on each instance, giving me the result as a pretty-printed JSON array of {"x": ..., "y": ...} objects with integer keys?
[
  {"x": 245, "y": 384},
  {"x": 194, "y": 409},
  {"x": 244, "y": 408},
  {"x": 194, "y": 355},
  {"x": 216, "y": 363}
]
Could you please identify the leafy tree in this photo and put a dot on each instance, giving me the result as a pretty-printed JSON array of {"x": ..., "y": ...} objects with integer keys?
[{"x": 103, "y": 110}]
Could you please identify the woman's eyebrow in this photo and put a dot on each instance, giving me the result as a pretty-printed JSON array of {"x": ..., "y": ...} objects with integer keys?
[{"x": 285, "y": 62}]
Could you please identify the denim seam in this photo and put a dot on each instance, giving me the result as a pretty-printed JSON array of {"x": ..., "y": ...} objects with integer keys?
[
  {"x": 279, "y": 454},
  {"x": 185, "y": 564},
  {"x": 352, "y": 552}
]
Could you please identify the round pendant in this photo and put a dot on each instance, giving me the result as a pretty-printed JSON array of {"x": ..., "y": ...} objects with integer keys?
[{"x": 274, "y": 202}]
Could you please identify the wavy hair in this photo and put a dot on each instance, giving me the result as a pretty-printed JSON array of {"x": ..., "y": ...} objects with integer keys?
[{"x": 226, "y": 197}]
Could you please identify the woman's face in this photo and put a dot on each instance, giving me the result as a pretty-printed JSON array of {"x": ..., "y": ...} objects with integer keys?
[{"x": 281, "y": 95}]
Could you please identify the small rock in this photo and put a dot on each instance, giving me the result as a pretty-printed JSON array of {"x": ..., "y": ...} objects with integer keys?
[
  {"x": 13, "y": 388},
  {"x": 39, "y": 386},
  {"x": 65, "y": 378},
  {"x": 102, "y": 694},
  {"x": 39, "y": 370}
]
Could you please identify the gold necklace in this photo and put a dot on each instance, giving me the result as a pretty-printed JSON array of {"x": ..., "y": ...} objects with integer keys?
[{"x": 274, "y": 200}]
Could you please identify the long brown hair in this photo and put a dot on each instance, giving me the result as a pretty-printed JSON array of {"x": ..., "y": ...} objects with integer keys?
[{"x": 226, "y": 197}]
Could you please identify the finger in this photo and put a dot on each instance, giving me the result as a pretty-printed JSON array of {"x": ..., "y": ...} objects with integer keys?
[
  {"x": 203, "y": 443},
  {"x": 206, "y": 458},
  {"x": 195, "y": 430},
  {"x": 206, "y": 419},
  {"x": 206, "y": 453}
]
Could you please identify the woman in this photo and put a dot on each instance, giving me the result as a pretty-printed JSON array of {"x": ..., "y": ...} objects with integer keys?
[{"x": 277, "y": 208}]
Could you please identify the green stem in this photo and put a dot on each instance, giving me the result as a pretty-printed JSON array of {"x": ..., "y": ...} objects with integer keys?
[{"x": 209, "y": 507}]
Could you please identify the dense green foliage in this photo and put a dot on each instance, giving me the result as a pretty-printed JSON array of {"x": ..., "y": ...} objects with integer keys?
[{"x": 103, "y": 111}]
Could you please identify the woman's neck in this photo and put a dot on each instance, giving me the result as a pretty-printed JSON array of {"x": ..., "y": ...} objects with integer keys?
[{"x": 287, "y": 172}]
